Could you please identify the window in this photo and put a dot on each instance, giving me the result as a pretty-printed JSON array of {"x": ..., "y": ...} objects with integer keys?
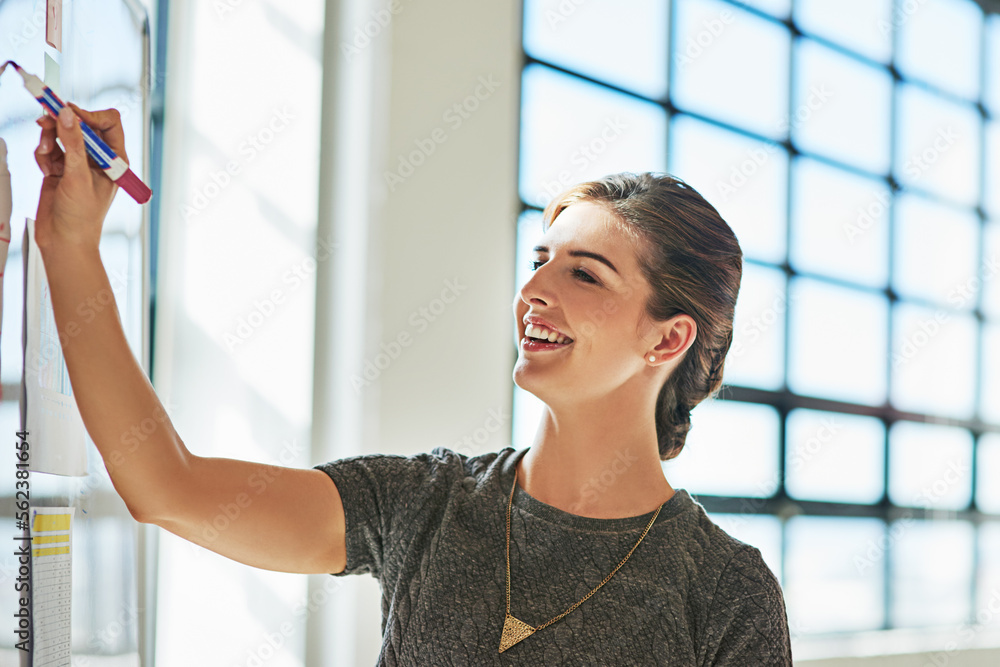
[{"x": 854, "y": 148}]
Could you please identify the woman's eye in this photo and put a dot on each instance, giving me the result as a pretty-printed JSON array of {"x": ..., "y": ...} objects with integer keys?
[{"x": 579, "y": 273}]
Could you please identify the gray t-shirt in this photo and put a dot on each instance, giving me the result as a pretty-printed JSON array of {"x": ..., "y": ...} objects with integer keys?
[{"x": 431, "y": 528}]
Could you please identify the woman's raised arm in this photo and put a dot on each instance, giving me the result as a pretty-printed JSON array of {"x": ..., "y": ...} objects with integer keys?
[{"x": 276, "y": 518}]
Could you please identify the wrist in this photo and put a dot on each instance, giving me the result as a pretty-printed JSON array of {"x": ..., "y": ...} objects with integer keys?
[{"x": 61, "y": 252}]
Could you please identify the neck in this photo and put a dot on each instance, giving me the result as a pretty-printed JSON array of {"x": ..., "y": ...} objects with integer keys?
[{"x": 599, "y": 461}]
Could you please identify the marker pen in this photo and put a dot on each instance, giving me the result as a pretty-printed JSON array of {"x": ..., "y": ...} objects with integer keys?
[{"x": 116, "y": 168}]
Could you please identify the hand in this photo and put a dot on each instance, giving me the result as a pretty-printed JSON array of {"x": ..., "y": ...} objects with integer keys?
[{"x": 76, "y": 194}]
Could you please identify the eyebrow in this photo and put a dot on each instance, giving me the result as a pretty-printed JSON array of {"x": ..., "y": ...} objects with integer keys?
[{"x": 582, "y": 253}]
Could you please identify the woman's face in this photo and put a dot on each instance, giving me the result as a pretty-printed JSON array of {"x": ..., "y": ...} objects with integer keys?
[{"x": 599, "y": 307}]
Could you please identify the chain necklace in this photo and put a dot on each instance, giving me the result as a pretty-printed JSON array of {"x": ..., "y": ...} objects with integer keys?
[{"x": 514, "y": 629}]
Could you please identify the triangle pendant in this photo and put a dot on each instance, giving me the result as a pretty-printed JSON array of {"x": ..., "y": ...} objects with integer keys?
[{"x": 514, "y": 630}]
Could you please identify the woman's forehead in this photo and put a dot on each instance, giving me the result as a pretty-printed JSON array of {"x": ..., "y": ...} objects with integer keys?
[{"x": 591, "y": 224}]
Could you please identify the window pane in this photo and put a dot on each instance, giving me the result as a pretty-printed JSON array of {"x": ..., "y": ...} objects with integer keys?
[
  {"x": 990, "y": 269},
  {"x": 731, "y": 67},
  {"x": 930, "y": 465},
  {"x": 933, "y": 361},
  {"x": 988, "y": 471},
  {"x": 860, "y": 25},
  {"x": 931, "y": 564},
  {"x": 573, "y": 131},
  {"x": 992, "y": 93},
  {"x": 744, "y": 435},
  {"x": 759, "y": 530},
  {"x": 989, "y": 408},
  {"x": 988, "y": 579},
  {"x": 841, "y": 108},
  {"x": 830, "y": 586},
  {"x": 603, "y": 40},
  {"x": 939, "y": 43},
  {"x": 756, "y": 357},
  {"x": 991, "y": 198},
  {"x": 840, "y": 224},
  {"x": 936, "y": 252},
  {"x": 746, "y": 181},
  {"x": 838, "y": 342},
  {"x": 834, "y": 456},
  {"x": 938, "y": 147}
]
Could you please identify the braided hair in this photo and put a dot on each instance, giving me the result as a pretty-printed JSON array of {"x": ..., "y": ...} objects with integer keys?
[{"x": 693, "y": 262}]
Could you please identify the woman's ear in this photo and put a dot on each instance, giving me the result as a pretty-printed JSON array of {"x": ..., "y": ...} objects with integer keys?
[{"x": 676, "y": 335}]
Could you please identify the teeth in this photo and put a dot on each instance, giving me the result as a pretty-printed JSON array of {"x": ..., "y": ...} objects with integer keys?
[{"x": 535, "y": 331}]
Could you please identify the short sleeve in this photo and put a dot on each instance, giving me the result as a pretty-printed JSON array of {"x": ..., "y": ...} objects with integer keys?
[
  {"x": 747, "y": 622},
  {"x": 389, "y": 502}
]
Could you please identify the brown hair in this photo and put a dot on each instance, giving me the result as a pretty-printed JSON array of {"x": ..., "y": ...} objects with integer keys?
[{"x": 693, "y": 262}]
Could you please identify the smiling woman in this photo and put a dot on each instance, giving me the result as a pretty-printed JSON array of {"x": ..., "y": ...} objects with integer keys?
[
  {"x": 576, "y": 550},
  {"x": 476, "y": 568}
]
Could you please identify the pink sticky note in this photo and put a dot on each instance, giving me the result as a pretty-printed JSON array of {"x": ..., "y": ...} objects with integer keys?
[{"x": 53, "y": 24}]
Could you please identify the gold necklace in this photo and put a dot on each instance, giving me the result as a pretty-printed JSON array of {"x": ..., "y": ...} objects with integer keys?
[{"x": 514, "y": 629}]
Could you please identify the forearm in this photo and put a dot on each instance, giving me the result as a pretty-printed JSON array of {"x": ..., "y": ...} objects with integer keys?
[{"x": 122, "y": 414}]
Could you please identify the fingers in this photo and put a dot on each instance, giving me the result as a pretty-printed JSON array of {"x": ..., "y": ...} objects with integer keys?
[
  {"x": 48, "y": 154},
  {"x": 74, "y": 150},
  {"x": 107, "y": 123}
]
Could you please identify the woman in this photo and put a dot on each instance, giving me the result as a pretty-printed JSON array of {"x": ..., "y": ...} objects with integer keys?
[{"x": 575, "y": 550}]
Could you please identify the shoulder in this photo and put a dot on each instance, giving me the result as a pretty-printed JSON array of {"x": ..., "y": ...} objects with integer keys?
[
  {"x": 740, "y": 606},
  {"x": 710, "y": 547}
]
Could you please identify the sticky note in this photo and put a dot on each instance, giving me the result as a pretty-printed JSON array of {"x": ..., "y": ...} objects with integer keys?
[{"x": 53, "y": 24}]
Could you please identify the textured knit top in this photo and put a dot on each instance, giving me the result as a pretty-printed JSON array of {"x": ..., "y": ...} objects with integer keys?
[{"x": 431, "y": 528}]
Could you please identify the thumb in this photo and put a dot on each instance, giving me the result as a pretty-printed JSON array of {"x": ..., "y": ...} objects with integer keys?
[{"x": 75, "y": 151}]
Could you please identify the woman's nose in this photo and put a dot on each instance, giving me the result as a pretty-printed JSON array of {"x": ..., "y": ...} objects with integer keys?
[{"x": 536, "y": 290}]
